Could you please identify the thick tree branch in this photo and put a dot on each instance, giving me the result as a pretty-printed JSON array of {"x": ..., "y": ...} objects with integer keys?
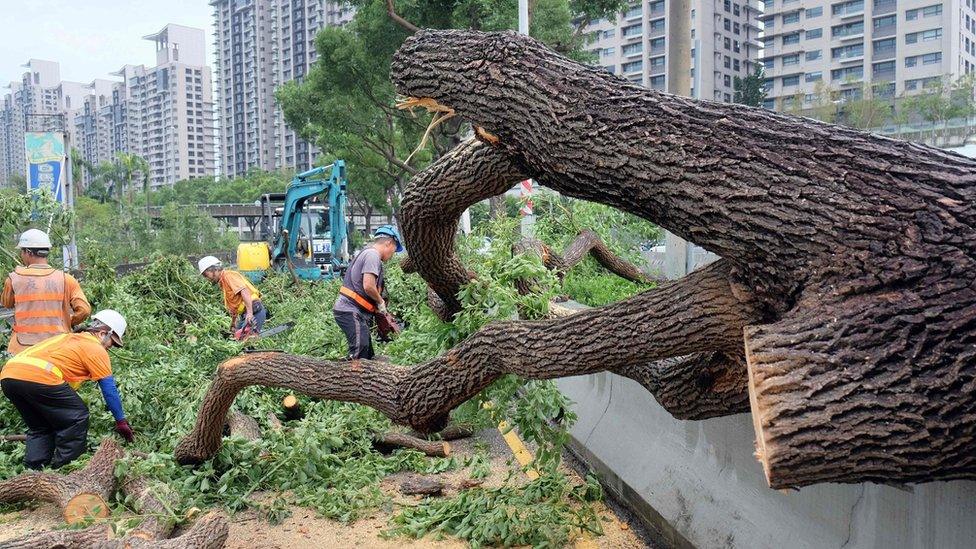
[
  {"x": 699, "y": 313},
  {"x": 407, "y": 25}
]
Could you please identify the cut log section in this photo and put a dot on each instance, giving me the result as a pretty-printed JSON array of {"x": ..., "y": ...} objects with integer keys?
[
  {"x": 292, "y": 408},
  {"x": 421, "y": 486},
  {"x": 80, "y": 495},
  {"x": 145, "y": 500},
  {"x": 454, "y": 431},
  {"x": 13, "y": 438},
  {"x": 209, "y": 532},
  {"x": 387, "y": 442}
]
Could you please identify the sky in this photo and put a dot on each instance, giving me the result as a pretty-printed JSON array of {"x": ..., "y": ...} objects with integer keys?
[{"x": 90, "y": 38}]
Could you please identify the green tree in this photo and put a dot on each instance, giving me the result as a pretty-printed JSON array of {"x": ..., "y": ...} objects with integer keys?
[
  {"x": 870, "y": 109},
  {"x": 751, "y": 90},
  {"x": 942, "y": 100}
]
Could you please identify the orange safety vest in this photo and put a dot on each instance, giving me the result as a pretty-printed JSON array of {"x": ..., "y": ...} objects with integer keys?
[{"x": 38, "y": 306}]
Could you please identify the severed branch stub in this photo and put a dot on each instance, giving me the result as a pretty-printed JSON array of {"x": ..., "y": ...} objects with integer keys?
[
  {"x": 80, "y": 495},
  {"x": 421, "y": 486}
]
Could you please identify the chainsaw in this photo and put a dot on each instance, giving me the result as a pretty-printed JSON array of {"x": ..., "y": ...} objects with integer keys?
[{"x": 247, "y": 331}]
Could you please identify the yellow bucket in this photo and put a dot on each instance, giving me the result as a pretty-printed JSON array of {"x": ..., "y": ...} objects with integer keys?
[{"x": 253, "y": 256}]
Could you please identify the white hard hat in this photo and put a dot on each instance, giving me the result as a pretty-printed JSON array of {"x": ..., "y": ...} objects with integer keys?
[
  {"x": 113, "y": 320},
  {"x": 34, "y": 239},
  {"x": 207, "y": 262}
]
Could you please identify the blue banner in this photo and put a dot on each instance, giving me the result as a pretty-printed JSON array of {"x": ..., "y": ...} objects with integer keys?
[{"x": 45, "y": 162}]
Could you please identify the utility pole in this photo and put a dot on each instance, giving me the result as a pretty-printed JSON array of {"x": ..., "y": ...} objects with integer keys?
[{"x": 677, "y": 251}]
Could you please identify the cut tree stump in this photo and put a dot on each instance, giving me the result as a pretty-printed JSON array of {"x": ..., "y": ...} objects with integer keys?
[
  {"x": 80, "y": 495},
  {"x": 292, "y": 408},
  {"x": 387, "y": 442},
  {"x": 417, "y": 486}
]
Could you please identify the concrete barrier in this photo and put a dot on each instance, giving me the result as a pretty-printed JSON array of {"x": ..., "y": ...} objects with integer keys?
[{"x": 697, "y": 483}]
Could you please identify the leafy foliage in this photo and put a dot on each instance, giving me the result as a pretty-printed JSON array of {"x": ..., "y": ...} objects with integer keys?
[{"x": 750, "y": 90}]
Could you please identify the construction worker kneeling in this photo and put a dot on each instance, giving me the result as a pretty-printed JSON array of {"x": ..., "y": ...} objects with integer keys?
[
  {"x": 241, "y": 298},
  {"x": 37, "y": 380}
]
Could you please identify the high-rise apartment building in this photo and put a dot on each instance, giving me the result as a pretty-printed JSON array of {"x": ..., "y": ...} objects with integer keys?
[
  {"x": 725, "y": 44},
  {"x": 818, "y": 50},
  {"x": 260, "y": 45},
  {"x": 163, "y": 114}
]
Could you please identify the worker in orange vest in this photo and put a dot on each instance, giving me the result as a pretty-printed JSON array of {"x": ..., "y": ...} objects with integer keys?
[
  {"x": 46, "y": 301},
  {"x": 241, "y": 298},
  {"x": 37, "y": 381}
]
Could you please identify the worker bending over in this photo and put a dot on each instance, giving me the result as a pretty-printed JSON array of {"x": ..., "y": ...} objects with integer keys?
[
  {"x": 361, "y": 294},
  {"x": 37, "y": 379},
  {"x": 241, "y": 298},
  {"x": 46, "y": 301}
]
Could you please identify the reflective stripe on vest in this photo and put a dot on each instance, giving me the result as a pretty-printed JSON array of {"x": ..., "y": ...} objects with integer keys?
[
  {"x": 27, "y": 356},
  {"x": 38, "y": 306},
  {"x": 360, "y": 300}
]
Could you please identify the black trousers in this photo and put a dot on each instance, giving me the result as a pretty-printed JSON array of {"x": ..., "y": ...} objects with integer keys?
[
  {"x": 56, "y": 418},
  {"x": 356, "y": 327}
]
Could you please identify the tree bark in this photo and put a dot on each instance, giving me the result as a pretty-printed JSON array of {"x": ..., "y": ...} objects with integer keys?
[
  {"x": 387, "y": 442},
  {"x": 699, "y": 313},
  {"x": 159, "y": 520},
  {"x": 80, "y": 495},
  {"x": 421, "y": 486},
  {"x": 862, "y": 249},
  {"x": 243, "y": 425},
  {"x": 454, "y": 431},
  {"x": 61, "y": 539}
]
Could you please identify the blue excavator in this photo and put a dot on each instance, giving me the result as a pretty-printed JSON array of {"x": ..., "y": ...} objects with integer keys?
[{"x": 305, "y": 228}]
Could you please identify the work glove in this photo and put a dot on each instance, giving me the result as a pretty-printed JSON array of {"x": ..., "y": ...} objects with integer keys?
[
  {"x": 124, "y": 430},
  {"x": 381, "y": 308}
]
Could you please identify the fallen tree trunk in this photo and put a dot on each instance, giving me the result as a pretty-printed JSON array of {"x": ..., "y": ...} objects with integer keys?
[
  {"x": 61, "y": 539},
  {"x": 453, "y": 431},
  {"x": 387, "y": 442},
  {"x": 80, "y": 495},
  {"x": 159, "y": 519},
  {"x": 862, "y": 249},
  {"x": 656, "y": 324},
  {"x": 586, "y": 243}
]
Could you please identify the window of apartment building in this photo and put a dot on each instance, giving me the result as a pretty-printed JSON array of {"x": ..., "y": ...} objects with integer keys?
[
  {"x": 736, "y": 65},
  {"x": 814, "y": 12},
  {"x": 847, "y": 73},
  {"x": 633, "y": 66},
  {"x": 814, "y": 33},
  {"x": 658, "y": 25},
  {"x": 791, "y": 80},
  {"x": 611, "y": 51},
  {"x": 632, "y": 49},
  {"x": 923, "y": 36},
  {"x": 886, "y": 21},
  {"x": 728, "y": 44},
  {"x": 927, "y": 59},
  {"x": 813, "y": 76},
  {"x": 927, "y": 11},
  {"x": 657, "y": 82},
  {"x": 727, "y": 24},
  {"x": 789, "y": 60},
  {"x": 609, "y": 33},
  {"x": 612, "y": 69},
  {"x": 657, "y": 7},
  {"x": 735, "y": 46},
  {"x": 847, "y": 8},
  {"x": 767, "y": 5},
  {"x": 657, "y": 62},
  {"x": 736, "y": 10},
  {"x": 657, "y": 43},
  {"x": 727, "y": 4},
  {"x": 792, "y": 38},
  {"x": 848, "y": 29},
  {"x": 736, "y": 28},
  {"x": 923, "y": 83},
  {"x": 814, "y": 55},
  {"x": 883, "y": 69},
  {"x": 769, "y": 104},
  {"x": 727, "y": 80},
  {"x": 728, "y": 62},
  {"x": 634, "y": 11},
  {"x": 770, "y": 23},
  {"x": 792, "y": 17},
  {"x": 847, "y": 52},
  {"x": 884, "y": 46}
]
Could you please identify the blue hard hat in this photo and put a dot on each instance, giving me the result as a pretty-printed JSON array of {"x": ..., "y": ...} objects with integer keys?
[{"x": 390, "y": 230}]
